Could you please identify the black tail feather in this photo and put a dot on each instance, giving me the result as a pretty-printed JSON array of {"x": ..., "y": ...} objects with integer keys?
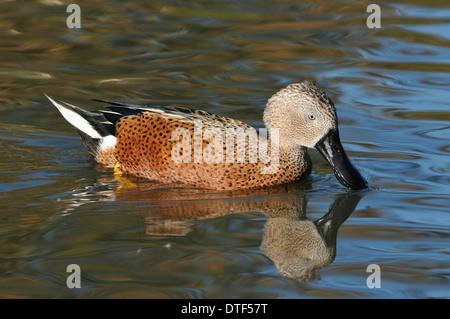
[{"x": 91, "y": 144}]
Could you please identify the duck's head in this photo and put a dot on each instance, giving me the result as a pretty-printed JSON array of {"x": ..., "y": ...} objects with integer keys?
[{"x": 306, "y": 117}]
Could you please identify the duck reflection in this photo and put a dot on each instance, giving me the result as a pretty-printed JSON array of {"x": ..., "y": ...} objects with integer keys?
[{"x": 298, "y": 246}]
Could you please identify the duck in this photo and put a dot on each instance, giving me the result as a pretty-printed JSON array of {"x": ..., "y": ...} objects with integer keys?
[{"x": 171, "y": 144}]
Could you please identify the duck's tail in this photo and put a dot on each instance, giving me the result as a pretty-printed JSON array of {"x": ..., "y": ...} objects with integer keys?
[{"x": 96, "y": 131}]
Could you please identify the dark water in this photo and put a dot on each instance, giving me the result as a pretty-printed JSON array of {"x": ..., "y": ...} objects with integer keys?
[{"x": 146, "y": 240}]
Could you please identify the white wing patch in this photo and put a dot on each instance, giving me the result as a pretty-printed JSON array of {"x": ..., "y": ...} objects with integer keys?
[{"x": 108, "y": 142}]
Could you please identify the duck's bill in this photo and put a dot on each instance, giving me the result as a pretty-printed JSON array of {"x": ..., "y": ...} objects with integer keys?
[{"x": 331, "y": 148}]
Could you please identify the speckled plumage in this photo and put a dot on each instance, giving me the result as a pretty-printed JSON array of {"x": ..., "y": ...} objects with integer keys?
[
  {"x": 144, "y": 148},
  {"x": 141, "y": 140}
]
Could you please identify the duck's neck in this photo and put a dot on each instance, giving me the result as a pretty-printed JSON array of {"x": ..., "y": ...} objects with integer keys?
[
  {"x": 295, "y": 154},
  {"x": 291, "y": 155},
  {"x": 288, "y": 156}
]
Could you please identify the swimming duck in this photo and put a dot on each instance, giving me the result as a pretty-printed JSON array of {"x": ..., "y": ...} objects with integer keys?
[{"x": 194, "y": 147}]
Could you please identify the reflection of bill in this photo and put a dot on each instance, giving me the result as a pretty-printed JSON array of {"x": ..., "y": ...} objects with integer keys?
[
  {"x": 226, "y": 145},
  {"x": 297, "y": 246}
]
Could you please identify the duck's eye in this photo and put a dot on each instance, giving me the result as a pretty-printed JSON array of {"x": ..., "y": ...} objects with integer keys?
[{"x": 311, "y": 117}]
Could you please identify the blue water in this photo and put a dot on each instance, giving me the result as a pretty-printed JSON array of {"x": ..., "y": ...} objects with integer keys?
[{"x": 391, "y": 90}]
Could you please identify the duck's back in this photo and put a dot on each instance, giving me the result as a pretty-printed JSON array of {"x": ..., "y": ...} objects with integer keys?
[{"x": 198, "y": 148}]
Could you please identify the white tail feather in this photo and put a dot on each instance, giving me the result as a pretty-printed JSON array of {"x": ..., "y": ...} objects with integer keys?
[{"x": 75, "y": 119}]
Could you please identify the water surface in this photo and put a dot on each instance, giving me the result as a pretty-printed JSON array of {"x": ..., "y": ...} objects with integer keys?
[{"x": 390, "y": 87}]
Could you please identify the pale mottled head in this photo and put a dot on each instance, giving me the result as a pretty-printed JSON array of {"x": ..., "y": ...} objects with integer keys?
[
  {"x": 302, "y": 112},
  {"x": 306, "y": 117}
]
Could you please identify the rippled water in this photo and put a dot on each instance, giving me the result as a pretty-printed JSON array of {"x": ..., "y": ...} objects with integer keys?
[{"x": 311, "y": 239}]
